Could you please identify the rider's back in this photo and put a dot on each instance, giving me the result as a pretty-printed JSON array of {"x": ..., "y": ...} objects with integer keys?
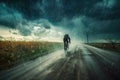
[{"x": 66, "y": 38}]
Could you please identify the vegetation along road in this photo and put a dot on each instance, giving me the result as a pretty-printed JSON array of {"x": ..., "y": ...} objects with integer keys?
[{"x": 82, "y": 62}]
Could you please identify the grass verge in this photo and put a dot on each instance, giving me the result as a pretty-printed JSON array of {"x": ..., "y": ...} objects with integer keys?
[{"x": 14, "y": 52}]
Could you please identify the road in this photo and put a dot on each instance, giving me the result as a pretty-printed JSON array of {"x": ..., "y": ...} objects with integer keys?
[{"x": 82, "y": 62}]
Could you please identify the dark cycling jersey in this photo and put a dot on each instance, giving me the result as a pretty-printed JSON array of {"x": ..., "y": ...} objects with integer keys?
[{"x": 66, "y": 41}]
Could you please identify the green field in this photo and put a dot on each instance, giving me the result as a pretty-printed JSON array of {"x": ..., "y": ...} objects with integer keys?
[{"x": 15, "y": 52}]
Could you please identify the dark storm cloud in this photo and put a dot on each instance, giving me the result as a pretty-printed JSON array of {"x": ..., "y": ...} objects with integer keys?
[
  {"x": 95, "y": 16},
  {"x": 12, "y": 18},
  {"x": 9, "y": 17},
  {"x": 102, "y": 29},
  {"x": 43, "y": 22},
  {"x": 26, "y": 7},
  {"x": 56, "y": 10},
  {"x": 110, "y": 26},
  {"x": 101, "y": 26}
]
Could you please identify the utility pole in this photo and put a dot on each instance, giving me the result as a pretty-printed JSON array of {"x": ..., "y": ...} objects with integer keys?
[
  {"x": 87, "y": 31},
  {"x": 87, "y": 37}
]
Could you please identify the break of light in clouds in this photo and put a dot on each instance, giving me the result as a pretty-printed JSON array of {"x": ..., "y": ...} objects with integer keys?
[{"x": 49, "y": 20}]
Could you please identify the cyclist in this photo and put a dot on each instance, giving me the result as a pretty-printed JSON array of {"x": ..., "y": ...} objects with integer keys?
[{"x": 66, "y": 41}]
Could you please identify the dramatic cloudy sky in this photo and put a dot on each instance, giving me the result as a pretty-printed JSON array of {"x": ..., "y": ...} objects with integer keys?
[{"x": 51, "y": 19}]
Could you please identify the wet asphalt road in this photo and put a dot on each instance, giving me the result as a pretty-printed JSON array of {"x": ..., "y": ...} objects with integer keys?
[{"x": 82, "y": 62}]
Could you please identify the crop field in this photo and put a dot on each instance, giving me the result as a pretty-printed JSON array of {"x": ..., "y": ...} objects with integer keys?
[
  {"x": 109, "y": 46},
  {"x": 14, "y": 52}
]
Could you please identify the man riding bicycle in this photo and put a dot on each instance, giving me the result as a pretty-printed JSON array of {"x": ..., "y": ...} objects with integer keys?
[{"x": 66, "y": 41}]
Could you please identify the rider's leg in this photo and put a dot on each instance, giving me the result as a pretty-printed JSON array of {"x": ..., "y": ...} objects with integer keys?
[{"x": 65, "y": 48}]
